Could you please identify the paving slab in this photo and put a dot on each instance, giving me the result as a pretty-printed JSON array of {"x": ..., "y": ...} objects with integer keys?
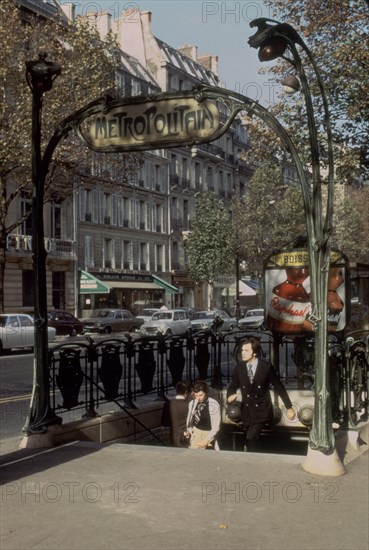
[{"x": 90, "y": 496}]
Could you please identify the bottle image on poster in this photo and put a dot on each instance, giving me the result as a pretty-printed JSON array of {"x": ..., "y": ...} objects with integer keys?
[{"x": 289, "y": 303}]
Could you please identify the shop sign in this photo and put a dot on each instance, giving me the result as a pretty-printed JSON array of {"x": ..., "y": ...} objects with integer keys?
[{"x": 89, "y": 284}]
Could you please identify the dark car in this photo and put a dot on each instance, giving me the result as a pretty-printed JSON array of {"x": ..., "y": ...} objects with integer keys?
[
  {"x": 64, "y": 322},
  {"x": 106, "y": 321}
]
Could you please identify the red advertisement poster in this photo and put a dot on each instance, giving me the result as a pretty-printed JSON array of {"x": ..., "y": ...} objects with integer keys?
[{"x": 287, "y": 292}]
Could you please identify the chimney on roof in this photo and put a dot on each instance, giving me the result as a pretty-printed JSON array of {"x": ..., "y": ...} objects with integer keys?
[
  {"x": 209, "y": 62},
  {"x": 104, "y": 24},
  {"x": 189, "y": 51},
  {"x": 146, "y": 18},
  {"x": 69, "y": 9}
]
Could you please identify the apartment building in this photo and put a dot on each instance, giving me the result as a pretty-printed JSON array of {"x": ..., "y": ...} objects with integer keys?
[{"x": 216, "y": 167}]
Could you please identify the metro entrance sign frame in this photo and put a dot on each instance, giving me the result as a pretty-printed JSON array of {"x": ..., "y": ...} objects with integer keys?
[{"x": 163, "y": 121}]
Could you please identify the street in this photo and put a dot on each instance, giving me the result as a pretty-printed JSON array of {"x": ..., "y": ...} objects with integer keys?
[{"x": 16, "y": 374}]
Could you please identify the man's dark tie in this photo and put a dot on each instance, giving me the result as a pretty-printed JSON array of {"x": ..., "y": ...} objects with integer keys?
[
  {"x": 196, "y": 417},
  {"x": 250, "y": 373}
]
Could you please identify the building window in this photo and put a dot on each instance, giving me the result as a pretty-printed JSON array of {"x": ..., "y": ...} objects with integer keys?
[
  {"x": 56, "y": 221},
  {"x": 175, "y": 256},
  {"x": 121, "y": 83},
  {"x": 120, "y": 210},
  {"x": 160, "y": 258},
  {"x": 185, "y": 215},
  {"x": 157, "y": 177},
  {"x": 142, "y": 215},
  {"x": 136, "y": 87},
  {"x": 127, "y": 255},
  {"x": 95, "y": 209},
  {"x": 184, "y": 169},
  {"x": 89, "y": 252},
  {"x": 173, "y": 165},
  {"x": 159, "y": 218},
  {"x": 102, "y": 206},
  {"x": 198, "y": 178},
  {"x": 210, "y": 178},
  {"x": 28, "y": 289},
  {"x": 108, "y": 253},
  {"x": 85, "y": 205},
  {"x": 144, "y": 257},
  {"x": 58, "y": 290},
  {"x": 113, "y": 210},
  {"x": 26, "y": 211}
]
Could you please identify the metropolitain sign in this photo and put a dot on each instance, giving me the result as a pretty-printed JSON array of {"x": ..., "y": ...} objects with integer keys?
[{"x": 143, "y": 123}]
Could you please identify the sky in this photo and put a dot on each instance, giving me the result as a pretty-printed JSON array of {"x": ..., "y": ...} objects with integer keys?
[{"x": 219, "y": 28}]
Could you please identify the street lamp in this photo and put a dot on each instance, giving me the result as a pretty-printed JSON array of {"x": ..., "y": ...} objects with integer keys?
[
  {"x": 40, "y": 75},
  {"x": 273, "y": 40}
]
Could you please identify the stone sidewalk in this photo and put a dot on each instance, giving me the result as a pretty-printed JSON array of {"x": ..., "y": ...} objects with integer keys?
[{"x": 85, "y": 495}]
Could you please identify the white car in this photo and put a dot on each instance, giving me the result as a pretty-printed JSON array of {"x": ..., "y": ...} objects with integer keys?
[
  {"x": 147, "y": 313},
  {"x": 17, "y": 330},
  {"x": 167, "y": 322},
  {"x": 254, "y": 319}
]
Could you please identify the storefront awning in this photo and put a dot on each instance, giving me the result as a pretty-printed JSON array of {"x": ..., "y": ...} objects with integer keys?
[
  {"x": 244, "y": 289},
  {"x": 91, "y": 285},
  {"x": 170, "y": 289},
  {"x": 133, "y": 285}
]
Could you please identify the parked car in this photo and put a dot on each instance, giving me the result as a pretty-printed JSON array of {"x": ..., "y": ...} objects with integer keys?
[
  {"x": 17, "y": 330},
  {"x": 243, "y": 311},
  {"x": 106, "y": 321},
  {"x": 147, "y": 313},
  {"x": 64, "y": 323},
  {"x": 253, "y": 319},
  {"x": 206, "y": 320},
  {"x": 168, "y": 322},
  {"x": 189, "y": 311}
]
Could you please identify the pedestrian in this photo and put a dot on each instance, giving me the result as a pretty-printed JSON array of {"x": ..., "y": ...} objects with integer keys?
[
  {"x": 203, "y": 419},
  {"x": 175, "y": 414},
  {"x": 253, "y": 376}
]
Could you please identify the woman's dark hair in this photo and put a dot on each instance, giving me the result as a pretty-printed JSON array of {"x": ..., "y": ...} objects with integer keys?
[{"x": 200, "y": 385}]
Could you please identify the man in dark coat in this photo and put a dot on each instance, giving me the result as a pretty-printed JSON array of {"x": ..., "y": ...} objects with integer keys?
[{"x": 254, "y": 376}]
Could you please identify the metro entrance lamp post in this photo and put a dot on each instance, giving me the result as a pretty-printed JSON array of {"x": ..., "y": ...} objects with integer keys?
[
  {"x": 40, "y": 76},
  {"x": 274, "y": 40}
]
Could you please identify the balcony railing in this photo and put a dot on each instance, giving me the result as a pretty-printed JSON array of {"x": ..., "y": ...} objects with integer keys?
[{"x": 21, "y": 245}]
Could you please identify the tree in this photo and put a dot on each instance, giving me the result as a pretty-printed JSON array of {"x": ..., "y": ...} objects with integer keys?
[
  {"x": 209, "y": 244},
  {"x": 88, "y": 72},
  {"x": 351, "y": 224},
  {"x": 335, "y": 34},
  {"x": 272, "y": 215}
]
